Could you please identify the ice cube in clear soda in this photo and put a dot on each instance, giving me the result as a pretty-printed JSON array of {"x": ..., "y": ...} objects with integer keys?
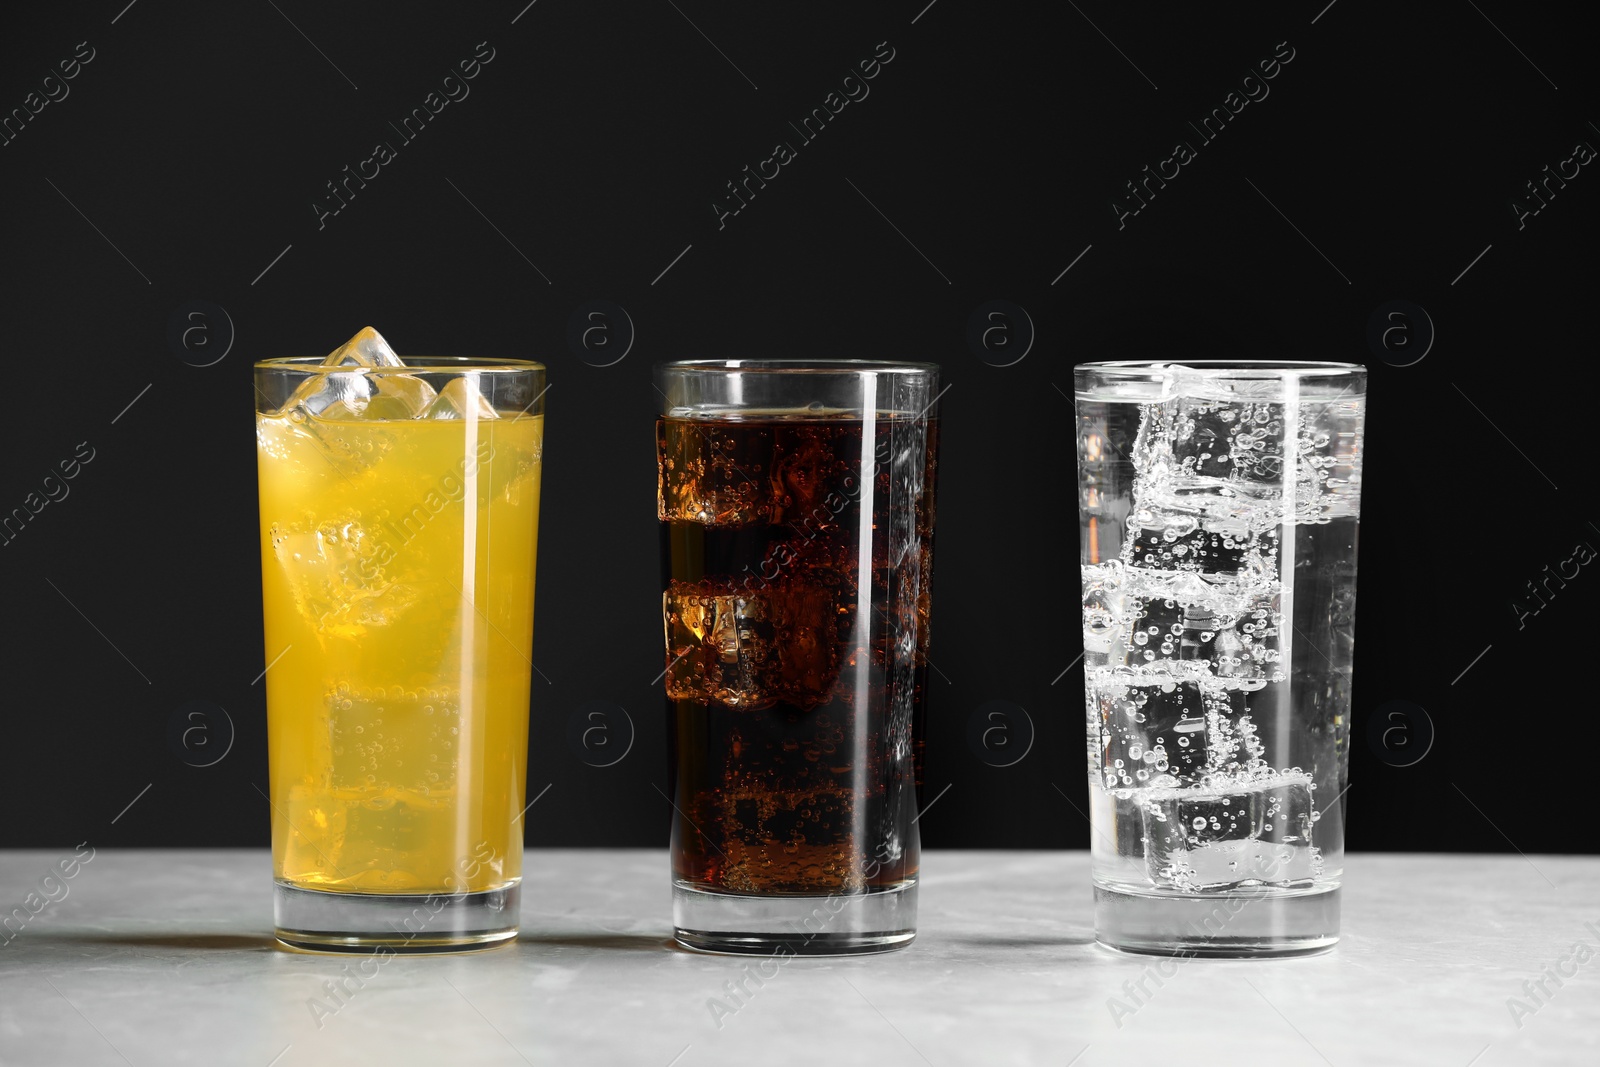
[
  {"x": 1151, "y": 732},
  {"x": 1231, "y": 834}
]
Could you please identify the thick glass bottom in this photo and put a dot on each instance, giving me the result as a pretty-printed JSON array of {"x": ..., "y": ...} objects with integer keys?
[
  {"x": 842, "y": 924},
  {"x": 1239, "y": 923},
  {"x": 321, "y": 921}
]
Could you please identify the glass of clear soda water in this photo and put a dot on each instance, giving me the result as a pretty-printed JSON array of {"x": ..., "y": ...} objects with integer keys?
[{"x": 1218, "y": 514}]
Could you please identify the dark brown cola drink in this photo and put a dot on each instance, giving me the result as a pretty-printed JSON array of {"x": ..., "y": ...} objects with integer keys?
[{"x": 796, "y": 551}]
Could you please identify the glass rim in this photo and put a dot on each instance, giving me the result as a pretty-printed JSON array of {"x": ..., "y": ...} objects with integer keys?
[
  {"x": 798, "y": 366},
  {"x": 316, "y": 365},
  {"x": 1226, "y": 368}
]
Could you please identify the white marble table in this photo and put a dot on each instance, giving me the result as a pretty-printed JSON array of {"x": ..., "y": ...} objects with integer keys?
[{"x": 166, "y": 957}]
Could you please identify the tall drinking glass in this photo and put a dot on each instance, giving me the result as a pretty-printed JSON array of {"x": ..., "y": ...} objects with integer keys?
[
  {"x": 1219, "y": 506},
  {"x": 796, "y": 505},
  {"x": 399, "y": 510}
]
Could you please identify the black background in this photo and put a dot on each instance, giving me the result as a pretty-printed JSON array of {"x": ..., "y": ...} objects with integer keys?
[{"x": 185, "y": 161}]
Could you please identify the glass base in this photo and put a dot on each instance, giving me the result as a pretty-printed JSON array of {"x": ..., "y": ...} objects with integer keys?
[
  {"x": 879, "y": 920},
  {"x": 322, "y": 921},
  {"x": 1235, "y": 924}
]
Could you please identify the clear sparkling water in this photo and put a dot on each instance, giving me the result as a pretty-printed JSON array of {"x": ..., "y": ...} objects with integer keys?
[{"x": 1218, "y": 527}]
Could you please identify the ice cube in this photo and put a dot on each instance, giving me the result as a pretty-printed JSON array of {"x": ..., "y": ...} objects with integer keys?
[
  {"x": 1122, "y": 585},
  {"x": 1134, "y": 616},
  {"x": 1223, "y": 506},
  {"x": 1255, "y": 438},
  {"x": 711, "y": 479},
  {"x": 399, "y": 396},
  {"x": 367, "y": 397},
  {"x": 1255, "y": 443},
  {"x": 1238, "y": 647},
  {"x": 336, "y": 573},
  {"x": 806, "y": 618},
  {"x": 1287, "y": 813},
  {"x": 713, "y": 644},
  {"x": 801, "y": 474},
  {"x": 1203, "y": 436},
  {"x": 392, "y": 737},
  {"x": 392, "y": 396},
  {"x": 1172, "y": 718},
  {"x": 1150, "y": 730},
  {"x": 1227, "y": 627},
  {"x": 1236, "y": 438},
  {"x": 337, "y": 404},
  {"x": 356, "y": 396},
  {"x": 461, "y": 399},
  {"x": 322, "y": 449},
  {"x": 345, "y": 394},
  {"x": 1241, "y": 833},
  {"x": 755, "y": 813},
  {"x": 810, "y": 462},
  {"x": 366, "y": 349},
  {"x": 751, "y": 648},
  {"x": 1157, "y": 625},
  {"x": 788, "y": 840},
  {"x": 1187, "y": 539},
  {"x": 1220, "y": 441}
]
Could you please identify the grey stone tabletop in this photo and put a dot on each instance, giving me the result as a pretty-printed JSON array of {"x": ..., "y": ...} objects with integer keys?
[{"x": 167, "y": 957}]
